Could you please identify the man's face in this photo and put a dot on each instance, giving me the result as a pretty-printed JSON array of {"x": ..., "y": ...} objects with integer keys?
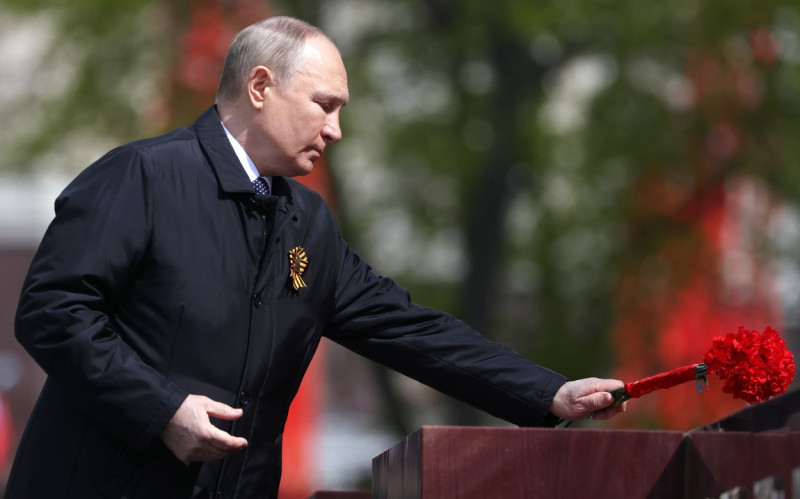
[{"x": 300, "y": 117}]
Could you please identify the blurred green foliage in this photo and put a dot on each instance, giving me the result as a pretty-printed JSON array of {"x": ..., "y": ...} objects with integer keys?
[
  {"x": 531, "y": 131},
  {"x": 86, "y": 82}
]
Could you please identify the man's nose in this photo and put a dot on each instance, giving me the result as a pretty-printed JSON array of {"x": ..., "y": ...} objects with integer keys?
[{"x": 331, "y": 131}]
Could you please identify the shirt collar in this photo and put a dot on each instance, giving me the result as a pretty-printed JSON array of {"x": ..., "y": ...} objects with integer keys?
[{"x": 247, "y": 163}]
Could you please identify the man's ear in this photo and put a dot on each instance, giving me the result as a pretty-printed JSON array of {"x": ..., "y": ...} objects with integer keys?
[{"x": 259, "y": 84}]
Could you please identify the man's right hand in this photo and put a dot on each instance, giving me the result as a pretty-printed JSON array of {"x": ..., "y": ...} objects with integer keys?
[{"x": 190, "y": 435}]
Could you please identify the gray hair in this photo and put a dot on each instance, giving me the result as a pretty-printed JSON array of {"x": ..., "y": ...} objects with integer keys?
[{"x": 276, "y": 43}]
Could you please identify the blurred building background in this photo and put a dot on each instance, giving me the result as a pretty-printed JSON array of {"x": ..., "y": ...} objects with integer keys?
[{"x": 605, "y": 186}]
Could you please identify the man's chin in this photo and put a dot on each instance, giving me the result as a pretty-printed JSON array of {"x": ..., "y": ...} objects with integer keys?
[{"x": 301, "y": 170}]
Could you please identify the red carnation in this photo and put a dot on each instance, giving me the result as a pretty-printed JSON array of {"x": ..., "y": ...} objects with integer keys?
[{"x": 754, "y": 366}]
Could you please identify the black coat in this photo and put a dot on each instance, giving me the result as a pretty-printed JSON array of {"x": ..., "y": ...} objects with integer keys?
[{"x": 162, "y": 275}]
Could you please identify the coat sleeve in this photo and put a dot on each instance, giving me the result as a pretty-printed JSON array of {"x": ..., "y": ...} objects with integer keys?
[
  {"x": 375, "y": 318},
  {"x": 85, "y": 263}
]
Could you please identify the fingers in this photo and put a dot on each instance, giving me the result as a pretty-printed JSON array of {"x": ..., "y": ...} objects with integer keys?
[
  {"x": 220, "y": 440},
  {"x": 586, "y": 397},
  {"x": 190, "y": 435},
  {"x": 605, "y": 385},
  {"x": 222, "y": 411},
  {"x": 597, "y": 401},
  {"x": 609, "y": 412},
  {"x": 218, "y": 444}
]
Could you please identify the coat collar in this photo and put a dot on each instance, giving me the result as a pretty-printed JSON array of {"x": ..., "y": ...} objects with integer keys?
[{"x": 232, "y": 178}]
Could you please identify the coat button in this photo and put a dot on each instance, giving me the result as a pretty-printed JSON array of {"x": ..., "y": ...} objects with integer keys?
[
  {"x": 257, "y": 302},
  {"x": 244, "y": 399}
]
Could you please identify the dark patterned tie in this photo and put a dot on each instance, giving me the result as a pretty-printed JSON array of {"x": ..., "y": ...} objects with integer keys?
[{"x": 261, "y": 186}]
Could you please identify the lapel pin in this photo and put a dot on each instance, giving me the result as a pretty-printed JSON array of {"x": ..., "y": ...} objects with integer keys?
[{"x": 297, "y": 265}]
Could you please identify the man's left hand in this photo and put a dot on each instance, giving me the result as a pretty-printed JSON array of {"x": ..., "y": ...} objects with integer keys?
[{"x": 585, "y": 398}]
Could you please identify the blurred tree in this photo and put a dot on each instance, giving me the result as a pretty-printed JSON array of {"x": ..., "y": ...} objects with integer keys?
[
  {"x": 558, "y": 171},
  {"x": 99, "y": 66}
]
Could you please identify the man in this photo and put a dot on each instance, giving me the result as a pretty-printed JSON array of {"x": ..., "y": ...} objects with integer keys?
[{"x": 175, "y": 309}]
